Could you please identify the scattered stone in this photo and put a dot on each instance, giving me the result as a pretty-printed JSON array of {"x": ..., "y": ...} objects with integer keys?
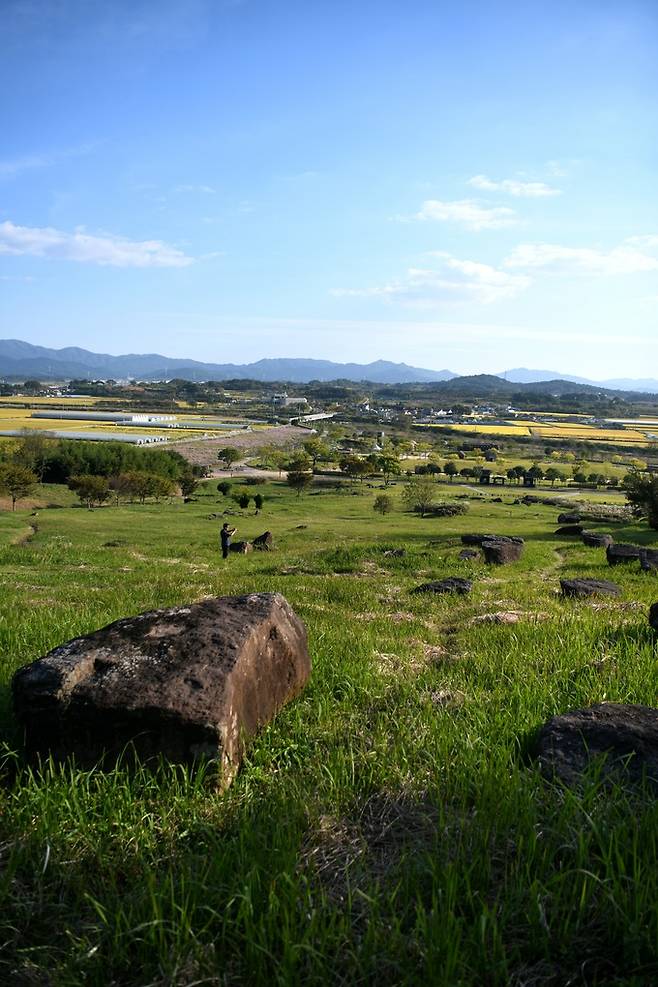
[
  {"x": 627, "y": 734},
  {"x": 569, "y": 517},
  {"x": 395, "y": 553},
  {"x": 501, "y": 617},
  {"x": 496, "y": 500},
  {"x": 649, "y": 559},
  {"x": 241, "y": 547},
  {"x": 300, "y": 527},
  {"x": 653, "y": 616},
  {"x": 502, "y": 551},
  {"x": 189, "y": 683},
  {"x": 469, "y": 553},
  {"x": 263, "y": 542},
  {"x": 444, "y": 697},
  {"x": 597, "y": 539},
  {"x": 617, "y": 554},
  {"x": 570, "y": 529},
  {"x": 453, "y": 584},
  {"x": 478, "y": 539},
  {"x": 589, "y": 587}
]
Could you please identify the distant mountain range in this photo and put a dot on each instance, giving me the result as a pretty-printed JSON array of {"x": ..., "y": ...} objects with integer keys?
[{"x": 20, "y": 360}]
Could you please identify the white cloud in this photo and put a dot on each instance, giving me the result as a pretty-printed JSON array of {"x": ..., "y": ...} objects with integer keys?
[
  {"x": 466, "y": 212},
  {"x": 521, "y": 190},
  {"x": 449, "y": 279},
  {"x": 30, "y": 162},
  {"x": 105, "y": 249},
  {"x": 627, "y": 258}
]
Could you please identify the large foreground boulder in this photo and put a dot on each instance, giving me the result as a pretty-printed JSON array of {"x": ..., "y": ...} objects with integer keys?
[
  {"x": 241, "y": 547},
  {"x": 570, "y": 529},
  {"x": 653, "y": 616},
  {"x": 568, "y": 517},
  {"x": 618, "y": 554},
  {"x": 191, "y": 682},
  {"x": 501, "y": 551},
  {"x": 626, "y": 734},
  {"x": 453, "y": 584},
  {"x": 263, "y": 542},
  {"x": 589, "y": 587},
  {"x": 479, "y": 539},
  {"x": 597, "y": 539}
]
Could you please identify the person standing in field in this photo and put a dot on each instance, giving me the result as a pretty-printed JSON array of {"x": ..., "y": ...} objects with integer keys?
[{"x": 225, "y": 536}]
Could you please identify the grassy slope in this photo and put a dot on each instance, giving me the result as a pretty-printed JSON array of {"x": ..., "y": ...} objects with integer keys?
[{"x": 385, "y": 827}]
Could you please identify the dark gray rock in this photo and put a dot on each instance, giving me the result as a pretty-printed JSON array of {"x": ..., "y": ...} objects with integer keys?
[
  {"x": 453, "y": 584},
  {"x": 570, "y": 517},
  {"x": 469, "y": 553},
  {"x": 395, "y": 553},
  {"x": 241, "y": 547},
  {"x": 618, "y": 554},
  {"x": 190, "y": 683},
  {"x": 263, "y": 542},
  {"x": 625, "y": 736},
  {"x": 589, "y": 587},
  {"x": 478, "y": 539},
  {"x": 570, "y": 529},
  {"x": 649, "y": 559},
  {"x": 501, "y": 551},
  {"x": 653, "y": 616},
  {"x": 597, "y": 539}
]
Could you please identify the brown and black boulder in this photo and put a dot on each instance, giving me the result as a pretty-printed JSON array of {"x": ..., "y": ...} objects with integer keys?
[
  {"x": 570, "y": 529},
  {"x": 501, "y": 551},
  {"x": 479, "y": 539},
  {"x": 589, "y": 587},
  {"x": 263, "y": 542},
  {"x": 190, "y": 683},
  {"x": 570, "y": 517},
  {"x": 649, "y": 559},
  {"x": 624, "y": 736},
  {"x": 453, "y": 584},
  {"x": 469, "y": 554},
  {"x": 617, "y": 554},
  {"x": 597, "y": 539},
  {"x": 241, "y": 547}
]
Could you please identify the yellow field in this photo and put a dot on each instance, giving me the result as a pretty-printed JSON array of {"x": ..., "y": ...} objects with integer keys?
[{"x": 579, "y": 433}]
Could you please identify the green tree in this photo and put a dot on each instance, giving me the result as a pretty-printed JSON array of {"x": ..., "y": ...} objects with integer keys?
[
  {"x": 552, "y": 475},
  {"x": 299, "y": 480},
  {"x": 17, "y": 481},
  {"x": 258, "y": 501},
  {"x": 419, "y": 494},
  {"x": 389, "y": 465},
  {"x": 383, "y": 504},
  {"x": 188, "y": 483},
  {"x": 90, "y": 489},
  {"x": 228, "y": 455},
  {"x": 450, "y": 470},
  {"x": 33, "y": 451},
  {"x": 642, "y": 492},
  {"x": 224, "y": 487},
  {"x": 317, "y": 450}
]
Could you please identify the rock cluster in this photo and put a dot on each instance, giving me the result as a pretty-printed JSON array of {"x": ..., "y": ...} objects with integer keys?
[
  {"x": 453, "y": 584},
  {"x": 589, "y": 587}
]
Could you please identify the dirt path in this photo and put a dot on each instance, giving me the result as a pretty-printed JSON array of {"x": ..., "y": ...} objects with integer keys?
[{"x": 204, "y": 451}]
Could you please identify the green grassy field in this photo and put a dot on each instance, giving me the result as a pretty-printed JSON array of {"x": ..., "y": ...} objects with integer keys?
[{"x": 387, "y": 827}]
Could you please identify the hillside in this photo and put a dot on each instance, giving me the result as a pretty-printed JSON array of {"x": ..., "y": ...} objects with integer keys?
[{"x": 388, "y": 826}]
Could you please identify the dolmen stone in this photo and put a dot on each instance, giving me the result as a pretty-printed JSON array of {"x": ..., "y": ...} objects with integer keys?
[
  {"x": 453, "y": 584},
  {"x": 479, "y": 539},
  {"x": 241, "y": 547},
  {"x": 570, "y": 529},
  {"x": 263, "y": 542},
  {"x": 191, "y": 683},
  {"x": 597, "y": 539},
  {"x": 589, "y": 587},
  {"x": 653, "y": 616},
  {"x": 501, "y": 551},
  {"x": 617, "y": 554},
  {"x": 649, "y": 559},
  {"x": 568, "y": 517},
  {"x": 624, "y": 736}
]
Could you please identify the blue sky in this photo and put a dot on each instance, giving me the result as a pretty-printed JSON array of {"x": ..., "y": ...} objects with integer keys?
[{"x": 470, "y": 185}]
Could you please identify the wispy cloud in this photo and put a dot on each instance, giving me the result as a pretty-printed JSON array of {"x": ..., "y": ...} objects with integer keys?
[
  {"x": 104, "y": 249},
  {"x": 12, "y": 167},
  {"x": 468, "y": 213},
  {"x": 630, "y": 257},
  {"x": 447, "y": 280},
  {"x": 512, "y": 186}
]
